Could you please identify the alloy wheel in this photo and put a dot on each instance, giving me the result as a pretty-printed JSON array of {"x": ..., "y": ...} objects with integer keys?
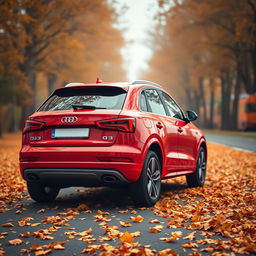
[
  {"x": 154, "y": 178},
  {"x": 201, "y": 166}
]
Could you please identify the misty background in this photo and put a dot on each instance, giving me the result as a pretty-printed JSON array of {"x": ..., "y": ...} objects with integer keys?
[{"x": 202, "y": 52}]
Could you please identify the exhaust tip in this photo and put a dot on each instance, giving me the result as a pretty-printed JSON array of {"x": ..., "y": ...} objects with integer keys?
[
  {"x": 109, "y": 179},
  {"x": 32, "y": 177}
]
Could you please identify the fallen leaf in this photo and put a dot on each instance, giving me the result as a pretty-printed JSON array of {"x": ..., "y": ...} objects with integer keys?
[
  {"x": 8, "y": 224},
  {"x": 138, "y": 218},
  {"x": 190, "y": 236},
  {"x": 175, "y": 236},
  {"x": 15, "y": 241},
  {"x": 26, "y": 234},
  {"x": 156, "y": 229},
  {"x": 126, "y": 237},
  {"x": 125, "y": 224},
  {"x": 154, "y": 221},
  {"x": 189, "y": 245},
  {"x": 167, "y": 252},
  {"x": 42, "y": 252},
  {"x": 58, "y": 247}
]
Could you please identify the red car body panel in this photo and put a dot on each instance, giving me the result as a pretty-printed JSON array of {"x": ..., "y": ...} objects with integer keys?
[{"x": 178, "y": 140}]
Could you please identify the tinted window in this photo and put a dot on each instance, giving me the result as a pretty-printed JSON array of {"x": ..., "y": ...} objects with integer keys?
[
  {"x": 143, "y": 103},
  {"x": 172, "y": 106},
  {"x": 155, "y": 102},
  {"x": 250, "y": 108},
  {"x": 97, "y": 97}
]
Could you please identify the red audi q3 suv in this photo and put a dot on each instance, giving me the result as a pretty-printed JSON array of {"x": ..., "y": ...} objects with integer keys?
[{"x": 105, "y": 134}]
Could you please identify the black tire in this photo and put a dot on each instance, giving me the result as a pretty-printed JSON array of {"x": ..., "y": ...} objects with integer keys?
[
  {"x": 41, "y": 193},
  {"x": 146, "y": 191},
  {"x": 197, "y": 179}
]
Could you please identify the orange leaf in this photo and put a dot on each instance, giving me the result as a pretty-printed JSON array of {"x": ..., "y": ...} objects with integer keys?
[
  {"x": 103, "y": 213},
  {"x": 125, "y": 223},
  {"x": 168, "y": 252},
  {"x": 15, "y": 242},
  {"x": 175, "y": 236},
  {"x": 138, "y": 218},
  {"x": 42, "y": 252},
  {"x": 8, "y": 224},
  {"x": 156, "y": 229},
  {"x": 126, "y": 237},
  {"x": 154, "y": 221},
  {"x": 190, "y": 245},
  {"x": 26, "y": 234},
  {"x": 58, "y": 247},
  {"x": 190, "y": 236},
  {"x": 85, "y": 233}
]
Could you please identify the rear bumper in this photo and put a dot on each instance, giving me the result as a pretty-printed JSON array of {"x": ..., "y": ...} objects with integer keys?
[
  {"x": 82, "y": 158},
  {"x": 75, "y": 177}
]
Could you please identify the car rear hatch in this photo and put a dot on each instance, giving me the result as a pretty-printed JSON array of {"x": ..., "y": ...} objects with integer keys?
[{"x": 69, "y": 116}]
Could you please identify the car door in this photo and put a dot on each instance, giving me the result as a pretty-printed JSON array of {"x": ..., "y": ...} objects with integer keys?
[
  {"x": 186, "y": 140},
  {"x": 165, "y": 128}
]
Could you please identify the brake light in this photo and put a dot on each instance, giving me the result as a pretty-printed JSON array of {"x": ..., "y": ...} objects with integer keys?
[
  {"x": 32, "y": 125},
  {"x": 120, "y": 124}
]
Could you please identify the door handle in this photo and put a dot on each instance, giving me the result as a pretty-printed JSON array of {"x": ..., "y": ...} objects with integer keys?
[
  {"x": 159, "y": 125},
  {"x": 180, "y": 130}
]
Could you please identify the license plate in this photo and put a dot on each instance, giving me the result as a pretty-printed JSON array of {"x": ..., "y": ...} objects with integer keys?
[{"x": 70, "y": 133}]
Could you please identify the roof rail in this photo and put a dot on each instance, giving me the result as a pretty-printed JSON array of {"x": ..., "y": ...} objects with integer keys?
[
  {"x": 73, "y": 84},
  {"x": 145, "y": 82}
]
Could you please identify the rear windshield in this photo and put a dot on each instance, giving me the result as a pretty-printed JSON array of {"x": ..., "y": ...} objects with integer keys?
[{"x": 96, "y": 97}]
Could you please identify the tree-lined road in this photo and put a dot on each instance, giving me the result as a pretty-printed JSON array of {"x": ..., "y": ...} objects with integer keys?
[{"x": 238, "y": 142}]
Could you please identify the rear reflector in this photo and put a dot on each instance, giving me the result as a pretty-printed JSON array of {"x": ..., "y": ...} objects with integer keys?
[
  {"x": 120, "y": 124},
  {"x": 115, "y": 159},
  {"x": 32, "y": 125}
]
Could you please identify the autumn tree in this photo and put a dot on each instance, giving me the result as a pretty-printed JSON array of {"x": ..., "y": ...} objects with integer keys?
[
  {"x": 65, "y": 40},
  {"x": 210, "y": 44}
]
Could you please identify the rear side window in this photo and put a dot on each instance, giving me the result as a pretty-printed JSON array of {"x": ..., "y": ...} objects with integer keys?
[
  {"x": 173, "y": 108},
  {"x": 154, "y": 102},
  {"x": 143, "y": 102},
  {"x": 85, "y": 98}
]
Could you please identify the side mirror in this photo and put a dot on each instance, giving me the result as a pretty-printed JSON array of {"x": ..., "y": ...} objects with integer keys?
[{"x": 191, "y": 116}]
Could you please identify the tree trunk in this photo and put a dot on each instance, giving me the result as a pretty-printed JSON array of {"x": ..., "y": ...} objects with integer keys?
[
  {"x": 13, "y": 115},
  {"x": 1, "y": 122},
  {"x": 188, "y": 92},
  {"x": 196, "y": 106},
  {"x": 28, "y": 68},
  {"x": 212, "y": 101},
  {"x": 29, "y": 108},
  {"x": 52, "y": 78},
  {"x": 235, "y": 104},
  {"x": 226, "y": 86},
  {"x": 247, "y": 70},
  {"x": 202, "y": 97}
]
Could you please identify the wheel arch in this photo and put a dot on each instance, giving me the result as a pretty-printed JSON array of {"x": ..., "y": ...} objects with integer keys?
[
  {"x": 204, "y": 146},
  {"x": 157, "y": 149}
]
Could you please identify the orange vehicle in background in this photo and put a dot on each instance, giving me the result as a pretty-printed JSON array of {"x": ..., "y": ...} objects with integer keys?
[
  {"x": 246, "y": 119},
  {"x": 247, "y": 112}
]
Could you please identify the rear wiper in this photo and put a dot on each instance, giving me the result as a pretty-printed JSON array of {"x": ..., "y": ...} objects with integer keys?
[{"x": 79, "y": 107}]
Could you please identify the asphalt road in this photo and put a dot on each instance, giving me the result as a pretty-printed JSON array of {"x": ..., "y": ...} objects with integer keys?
[
  {"x": 105, "y": 199},
  {"x": 237, "y": 142}
]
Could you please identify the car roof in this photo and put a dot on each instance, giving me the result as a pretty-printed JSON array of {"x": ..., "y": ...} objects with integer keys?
[{"x": 124, "y": 85}]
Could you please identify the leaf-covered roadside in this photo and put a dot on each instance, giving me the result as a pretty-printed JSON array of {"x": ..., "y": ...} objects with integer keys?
[
  {"x": 218, "y": 219},
  {"x": 226, "y": 205}
]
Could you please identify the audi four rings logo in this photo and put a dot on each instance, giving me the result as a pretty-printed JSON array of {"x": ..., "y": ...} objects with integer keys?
[{"x": 69, "y": 119}]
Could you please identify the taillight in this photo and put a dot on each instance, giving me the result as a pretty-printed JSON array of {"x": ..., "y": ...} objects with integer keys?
[
  {"x": 32, "y": 125},
  {"x": 120, "y": 124}
]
